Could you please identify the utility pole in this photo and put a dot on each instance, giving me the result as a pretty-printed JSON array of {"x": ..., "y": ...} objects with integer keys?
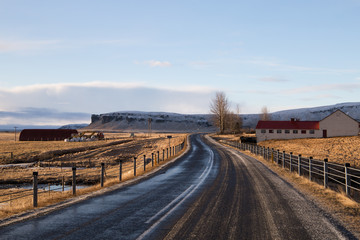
[
  {"x": 149, "y": 126},
  {"x": 15, "y": 133}
]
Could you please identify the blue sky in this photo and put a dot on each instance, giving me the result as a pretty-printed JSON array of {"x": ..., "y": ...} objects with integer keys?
[{"x": 103, "y": 56}]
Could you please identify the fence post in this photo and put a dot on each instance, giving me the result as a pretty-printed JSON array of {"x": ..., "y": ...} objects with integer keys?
[
  {"x": 35, "y": 189},
  {"x": 277, "y": 157},
  {"x": 299, "y": 164},
  {"x": 173, "y": 151},
  {"x": 170, "y": 151},
  {"x": 283, "y": 159},
  {"x": 310, "y": 167},
  {"x": 290, "y": 162},
  {"x": 144, "y": 163},
  {"x": 263, "y": 152},
  {"x": 272, "y": 155},
  {"x": 120, "y": 170},
  {"x": 134, "y": 166},
  {"x": 167, "y": 153},
  {"x": 325, "y": 173},
  {"x": 152, "y": 159},
  {"x": 347, "y": 179},
  {"x": 102, "y": 175},
  {"x": 63, "y": 183},
  {"x": 74, "y": 180},
  {"x": 163, "y": 154},
  {"x": 158, "y": 157}
]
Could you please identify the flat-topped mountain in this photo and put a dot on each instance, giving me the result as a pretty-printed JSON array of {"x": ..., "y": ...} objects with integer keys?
[{"x": 160, "y": 121}]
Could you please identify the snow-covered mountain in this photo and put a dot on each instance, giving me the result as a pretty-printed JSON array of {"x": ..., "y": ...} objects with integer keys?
[
  {"x": 173, "y": 122},
  {"x": 160, "y": 121},
  {"x": 307, "y": 114}
]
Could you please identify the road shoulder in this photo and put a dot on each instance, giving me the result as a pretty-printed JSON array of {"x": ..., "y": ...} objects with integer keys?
[{"x": 341, "y": 208}]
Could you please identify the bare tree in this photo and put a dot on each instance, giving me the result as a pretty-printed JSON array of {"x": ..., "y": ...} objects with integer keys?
[
  {"x": 233, "y": 122},
  {"x": 265, "y": 115},
  {"x": 219, "y": 107}
]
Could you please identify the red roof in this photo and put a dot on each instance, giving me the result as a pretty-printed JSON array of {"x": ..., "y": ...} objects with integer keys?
[{"x": 305, "y": 125}]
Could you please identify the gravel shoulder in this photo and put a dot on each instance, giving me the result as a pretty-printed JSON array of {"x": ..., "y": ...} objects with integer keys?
[{"x": 336, "y": 206}]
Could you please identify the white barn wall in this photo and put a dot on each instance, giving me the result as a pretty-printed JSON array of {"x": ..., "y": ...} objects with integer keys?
[
  {"x": 339, "y": 124},
  {"x": 268, "y": 136}
]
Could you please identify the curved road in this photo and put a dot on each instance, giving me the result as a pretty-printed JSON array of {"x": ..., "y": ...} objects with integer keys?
[{"x": 212, "y": 192}]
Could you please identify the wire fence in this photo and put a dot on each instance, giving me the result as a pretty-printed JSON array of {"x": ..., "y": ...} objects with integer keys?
[
  {"x": 341, "y": 178},
  {"x": 67, "y": 181}
]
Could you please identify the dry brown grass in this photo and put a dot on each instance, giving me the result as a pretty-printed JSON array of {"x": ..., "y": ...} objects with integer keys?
[
  {"x": 53, "y": 169},
  {"x": 55, "y": 175},
  {"x": 28, "y": 150},
  {"x": 9, "y": 136},
  {"x": 338, "y": 149}
]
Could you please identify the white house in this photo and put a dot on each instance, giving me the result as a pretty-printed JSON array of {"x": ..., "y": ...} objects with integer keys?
[{"x": 335, "y": 125}]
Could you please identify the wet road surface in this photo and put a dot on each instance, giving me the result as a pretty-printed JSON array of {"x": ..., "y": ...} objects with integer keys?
[{"x": 212, "y": 192}]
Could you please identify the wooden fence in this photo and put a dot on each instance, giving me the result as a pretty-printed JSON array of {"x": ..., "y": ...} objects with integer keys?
[
  {"x": 331, "y": 175},
  {"x": 139, "y": 164}
]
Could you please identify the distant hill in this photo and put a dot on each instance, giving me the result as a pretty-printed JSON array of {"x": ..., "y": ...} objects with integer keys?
[
  {"x": 173, "y": 122},
  {"x": 307, "y": 114},
  {"x": 74, "y": 126}
]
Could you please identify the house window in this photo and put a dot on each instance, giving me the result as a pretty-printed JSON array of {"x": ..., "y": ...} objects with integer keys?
[
  {"x": 287, "y": 131},
  {"x": 295, "y": 131},
  {"x": 263, "y": 131},
  {"x": 312, "y": 131},
  {"x": 303, "y": 131},
  {"x": 278, "y": 131},
  {"x": 271, "y": 131}
]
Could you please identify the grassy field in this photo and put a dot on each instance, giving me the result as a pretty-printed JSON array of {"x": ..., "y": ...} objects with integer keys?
[
  {"x": 54, "y": 160},
  {"x": 338, "y": 149},
  {"x": 29, "y": 151}
]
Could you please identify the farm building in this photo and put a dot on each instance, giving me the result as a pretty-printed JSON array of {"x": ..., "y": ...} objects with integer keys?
[
  {"x": 46, "y": 134},
  {"x": 336, "y": 124}
]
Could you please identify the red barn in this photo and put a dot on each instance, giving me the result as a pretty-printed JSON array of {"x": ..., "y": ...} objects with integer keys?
[{"x": 46, "y": 134}]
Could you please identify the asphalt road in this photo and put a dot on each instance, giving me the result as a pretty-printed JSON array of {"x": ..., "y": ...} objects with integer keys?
[{"x": 212, "y": 192}]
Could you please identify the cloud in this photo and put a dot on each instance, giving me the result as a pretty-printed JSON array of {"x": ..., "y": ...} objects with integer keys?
[
  {"x": 42, "y": 116},
  {"x": 16, "y": 46},
  {"x": 154, "y": 63},
  {"x": 320, "y": 97},
  {"x": 102, "y": 97},
  {"x": 325, "y": 87},
  {"x": 287, "y": 67},
  {"x": 60, "y": 87}
]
